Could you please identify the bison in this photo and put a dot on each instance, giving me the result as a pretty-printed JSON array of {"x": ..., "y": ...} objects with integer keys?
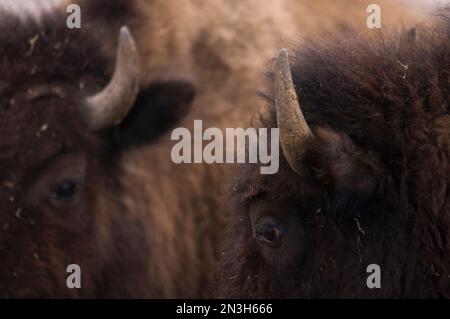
[
  {"x": 148, "y": 221},
  {"x": 70, "y": 109},
  {"x": 224, "y": 48},
  {"x": 364, "y": 173}
]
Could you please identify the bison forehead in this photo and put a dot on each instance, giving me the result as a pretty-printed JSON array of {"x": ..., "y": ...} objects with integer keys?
[
  {"x": 30, "y": 9},
  {"x": 33, "y": 131},
  {"x": 38, "y": 117},
  {"x": 49, "y": 50}
]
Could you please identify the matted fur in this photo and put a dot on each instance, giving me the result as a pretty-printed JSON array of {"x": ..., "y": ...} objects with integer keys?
[
  {"x": 374, "y": 186},
  {"x": 172, "y": 253},
  {"x": 46, "y": 73}
]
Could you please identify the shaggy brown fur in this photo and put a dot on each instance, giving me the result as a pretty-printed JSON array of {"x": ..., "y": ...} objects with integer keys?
[
  {"x": 223, "y": 44},
  {"x": 60, "y": 184},
  {"x": 374, "y": 185}
]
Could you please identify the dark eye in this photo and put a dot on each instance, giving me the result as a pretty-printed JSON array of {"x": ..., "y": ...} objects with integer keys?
[
  {"x": 268, "y": 233},
  {"x": 271, "y": 234},
  {"x": 66, "y": 192}
]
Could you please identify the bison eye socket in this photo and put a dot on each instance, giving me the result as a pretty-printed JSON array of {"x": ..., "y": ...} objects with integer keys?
[
  {"x": 66, "y": 192},
  {"x": 268, "y": 233}
]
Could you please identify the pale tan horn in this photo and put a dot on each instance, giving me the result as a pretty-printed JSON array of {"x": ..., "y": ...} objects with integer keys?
[
  {"x": 110, "y": 106},
  {"x": 294, "y": 131}
]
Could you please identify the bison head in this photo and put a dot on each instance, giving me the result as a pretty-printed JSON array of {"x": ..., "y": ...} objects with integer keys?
[
  {"x": 65, "y": 122},
  {"x": 362, "y": 179}
]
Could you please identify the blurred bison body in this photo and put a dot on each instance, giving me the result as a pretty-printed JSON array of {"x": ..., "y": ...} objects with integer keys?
[
  {"x": 69, "y": 110},
  {"x": 364, "y": 176}
]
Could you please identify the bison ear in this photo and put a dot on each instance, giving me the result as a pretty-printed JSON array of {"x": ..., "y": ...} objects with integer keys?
[
  {"x": 343, "y": 168},
  {"x": 158, "y": 108}
]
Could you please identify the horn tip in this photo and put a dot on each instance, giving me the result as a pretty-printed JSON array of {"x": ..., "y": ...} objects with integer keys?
[
  {"x": 125, "y": 31},
  {"x": 283, "y": 54},
  {"x": 282, "y": 61},
  {"x": 125, "y": 36},
  {"x": 283, "y": 51}
]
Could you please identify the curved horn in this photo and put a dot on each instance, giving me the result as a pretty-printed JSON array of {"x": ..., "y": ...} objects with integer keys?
[
  {"x": 111, "y": 105},
  {"x": 294, "y": 131}
]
